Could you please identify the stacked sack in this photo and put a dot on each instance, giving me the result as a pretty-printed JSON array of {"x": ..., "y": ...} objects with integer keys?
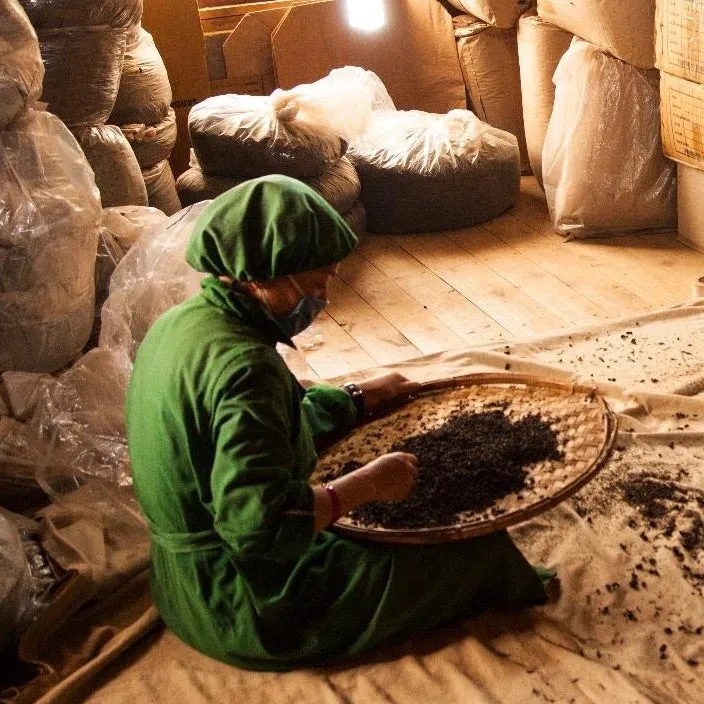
[
  {"x": 300, "y": 133},
  {"x": 82, "y": 45},
  {"x": 488, "y": 53},
  {"x": 602, "y": 163},
  {"x": 145, "y": 116},
  {"x": 49, "y": 211}
]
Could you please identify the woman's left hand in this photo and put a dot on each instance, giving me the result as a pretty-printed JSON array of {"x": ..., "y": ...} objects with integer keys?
[{"x": 385, "y": 389}]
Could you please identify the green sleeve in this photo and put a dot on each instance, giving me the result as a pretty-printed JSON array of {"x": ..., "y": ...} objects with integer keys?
[
  {"x": 328, "y": 409},
  {"x": 261, "y": 505}
]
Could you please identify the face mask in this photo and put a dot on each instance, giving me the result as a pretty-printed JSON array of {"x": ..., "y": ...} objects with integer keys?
[{"x": 302, "y": 315}]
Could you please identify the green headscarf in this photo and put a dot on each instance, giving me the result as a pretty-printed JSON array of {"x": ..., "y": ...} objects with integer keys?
[{"x": 268, "y": 227}]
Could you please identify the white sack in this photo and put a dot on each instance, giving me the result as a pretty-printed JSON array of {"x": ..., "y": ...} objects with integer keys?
[
  {"x": 117, "y": 172},
  {"x": 144, "y": 95},
  {"x": 624, "y": 28},
  {"x": 82, "y": 72},
  {"x": 489, "y": 62},
  {"x": 49, "y": 217},
  {"x": 161, "y": 188},
  {"x": 501, "y": 13},
  {"x": 152, "y": 143},
  {"x": 541, "y": 45},
  {"x": 21, "y": 68},
  {"x": 50, "y": 14},
  {"x": 603, "y": 166}
]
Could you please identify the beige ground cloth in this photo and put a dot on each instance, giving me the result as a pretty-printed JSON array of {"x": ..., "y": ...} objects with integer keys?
[{"x": 626, "y": 629}]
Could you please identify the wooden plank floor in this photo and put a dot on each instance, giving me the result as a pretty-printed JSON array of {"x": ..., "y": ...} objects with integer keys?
[{"x": 403, "y": 296}]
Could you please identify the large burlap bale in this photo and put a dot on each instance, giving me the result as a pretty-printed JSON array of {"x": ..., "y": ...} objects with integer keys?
[
  {"x": 356, "y": 218},
  {"x": 489, "y": 62},
  {"x": 501, "y": 13},
  {"x": 51, "y": 14},
  {"x": 50, "y": 210},
  {"x": 541, "y": 45},
  {"x": 422, "y": 172},
  {"x": 338, "y": 184},
  {"x": 152, "y": 143},
  {"x": 144, "y": 94},
  {"x": 161, "y": 188},
  {"x": 624, "y": 28},
  {"x": 21, "y": 68},
  {"x": 245, "y": 136},
  {"x": 82, "y": 72},
  {"x": 603, "y": 166},
  {"x": 117, "y": 172}
]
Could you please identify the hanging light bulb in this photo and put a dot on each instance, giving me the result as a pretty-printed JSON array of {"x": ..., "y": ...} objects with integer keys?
[{"x": 367, "y": 15}]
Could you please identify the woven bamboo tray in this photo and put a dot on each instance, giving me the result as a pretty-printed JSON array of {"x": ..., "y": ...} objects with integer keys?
[{"x": 584, "y": 425}]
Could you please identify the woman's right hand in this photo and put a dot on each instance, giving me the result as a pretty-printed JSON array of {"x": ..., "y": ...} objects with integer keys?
[{"x": 390, "y": 477}]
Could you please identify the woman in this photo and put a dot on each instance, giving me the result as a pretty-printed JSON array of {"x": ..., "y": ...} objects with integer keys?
[{"x": 222, "y": 440}]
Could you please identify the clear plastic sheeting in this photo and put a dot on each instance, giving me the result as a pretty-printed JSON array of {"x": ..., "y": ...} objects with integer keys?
[
  {"x": 501, "y": 13},
  {"x": 161, "y": 188},
  {"x": 144, "y": 95},
  {"x": 297, "y": 133},
  {"x": 21, "y": 68},
  {"x": 50, "y": 14},
  {"x": 338, "y": 184},
  {"x": 82, "y": 72},
  {"x": 152, "y": 143},
  {"x": 423, "y": 172},
  {"x": 603, "y": 167},
  {"x": 49, "y": 218},
  {"x": 151, "y": 278},
  {"x": 117, "y": 173}
]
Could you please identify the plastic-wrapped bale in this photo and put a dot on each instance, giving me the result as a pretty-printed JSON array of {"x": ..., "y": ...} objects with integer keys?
[
  {"x": 21, "y": 68},
  {"x": 500, "y": 13},
  {"x": 152, "y": 143},
  {"x": 489, "y": 62},
  {"x": 297, "y": 133},
  {"x": 603, "y": 167},
  {"x": 144, "y": 95},
  {"x": 624, "y": 28},
  {"x": 356, "y": 218},
  {"x": 117, "y": 172},
  {"x": 49, "y": 216},
  {"x": 541, "y": 45},
  {"x": 82, "y": 72},
  {"x": 423, "y": 172},
  {"x": 151, "y": 278},
  {"x": 50, "y": 14},
  {"x": 161, "y": 188},
  {"x": 338, "y": 184}
]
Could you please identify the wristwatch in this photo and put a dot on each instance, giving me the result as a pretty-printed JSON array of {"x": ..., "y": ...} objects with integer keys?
[{"x": 357, "y": 396}]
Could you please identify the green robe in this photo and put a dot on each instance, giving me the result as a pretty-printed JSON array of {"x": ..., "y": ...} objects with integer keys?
[{"x": 222, "y": 441}]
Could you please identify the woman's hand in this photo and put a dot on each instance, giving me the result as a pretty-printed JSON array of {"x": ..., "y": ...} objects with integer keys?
[
  {"x": 387, "y": 388},
  {"x": 390, "y": 477}
]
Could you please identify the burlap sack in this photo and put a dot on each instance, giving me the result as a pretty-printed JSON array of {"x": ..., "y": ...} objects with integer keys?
[
  {"x": 603, "y": 166},
  {"x": 144, "y": 94},
  {"x": 21, "y": 68},
  {"x": 82, "y": 72},
  {"x": 50, "y": 210},
  {"x": 338, "y": 184},
  {"x": 152, "y": 143},
  {"x": 422, "y": 172},
  {"x": 624, "y": 28},
  {"x": 540, "y": 48},
  {"x": 489, "y": 62},
  {"x": 161, "y": 188},
  {"x": 51, "y": 14},
  {"x": 356, "y": 218},
  {"x": 500, "y": 13},
  {"x": 117, "y": 172},
  {"x": 245, "y": 136}
]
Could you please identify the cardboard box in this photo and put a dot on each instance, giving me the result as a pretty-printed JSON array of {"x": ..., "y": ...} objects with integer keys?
[
  {"x": 175, "y": 26},
  {"x": 679, "y": 38},
  {"x": 682, "y": 120},
  {"x": 690, "y": 206}
]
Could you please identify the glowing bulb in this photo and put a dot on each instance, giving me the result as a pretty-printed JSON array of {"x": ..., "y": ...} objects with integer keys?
[{"x": 367, "y": 15}]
